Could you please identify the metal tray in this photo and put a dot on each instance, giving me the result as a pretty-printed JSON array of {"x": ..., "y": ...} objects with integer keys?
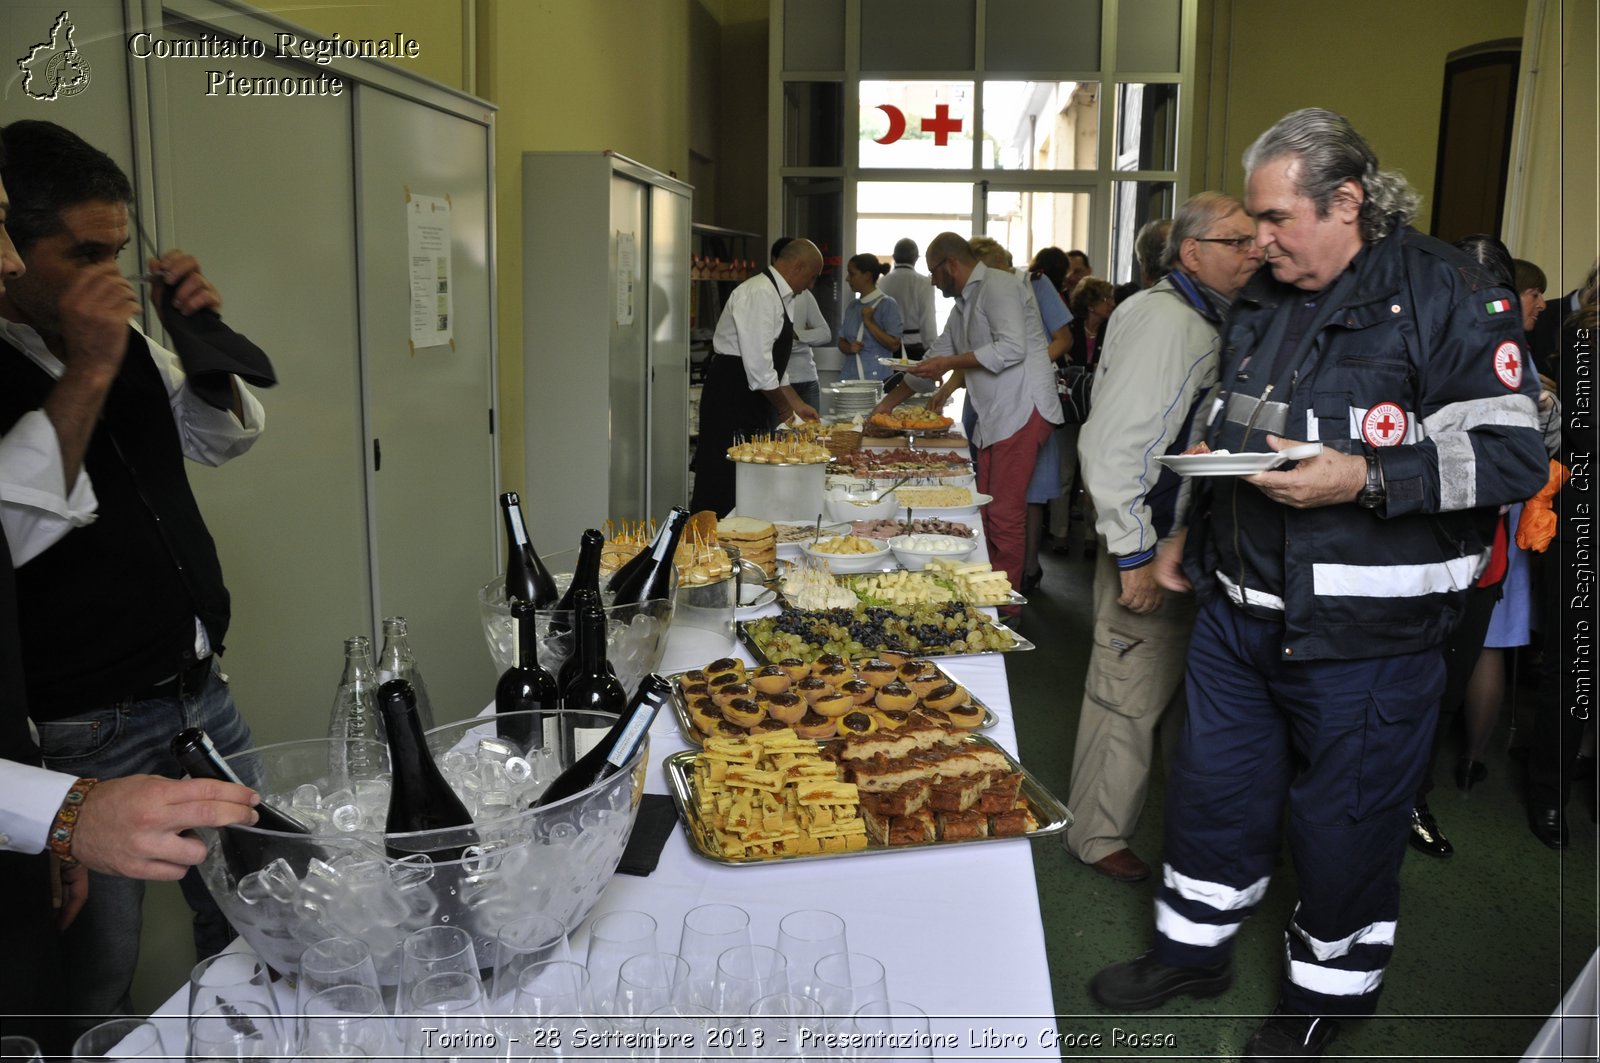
[
  {"x": 680, "y": 710},
  {"x": 1053, "y": 816},
  {"x": 1020, "y": 645},
  {"x": 1014, "y": 597}
]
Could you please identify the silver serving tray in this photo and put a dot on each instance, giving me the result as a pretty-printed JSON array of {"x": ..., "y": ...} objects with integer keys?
[
  {"x": 680, "y": 709},
  {"x": 1020, "y": 644},
  {"x": 1014, "y": 597},
  {"x": 1052, "y": 814}
]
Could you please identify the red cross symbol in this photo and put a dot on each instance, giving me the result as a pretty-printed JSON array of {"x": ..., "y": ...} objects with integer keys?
[
  {"x": 1386, "y": 425},
  {"x": 1512, "y": 365},
  {"x": 1507, "y": 364},
  {"x": 941, "y": 125}
]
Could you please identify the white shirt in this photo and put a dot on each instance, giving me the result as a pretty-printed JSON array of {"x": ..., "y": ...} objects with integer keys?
[
  {"x": 810, "y": 330},
  {"x": 1014, "y": 375},
  {"x": 37, "y": 512},
  {"x": 914, "y": 293},
  {"x": 750, "y": 324}
]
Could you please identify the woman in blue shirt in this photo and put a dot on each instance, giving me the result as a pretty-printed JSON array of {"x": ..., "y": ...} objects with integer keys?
[{"x": 872, "y": 322}]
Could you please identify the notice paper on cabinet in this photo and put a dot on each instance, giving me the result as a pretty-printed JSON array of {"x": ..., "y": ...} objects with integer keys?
[{"x": 428, "y": 239}]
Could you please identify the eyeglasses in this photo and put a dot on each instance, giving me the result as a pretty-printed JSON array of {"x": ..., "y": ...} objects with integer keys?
[
  {"x": 934, "y": 272},
  {"x": 1238, "y": 243}
]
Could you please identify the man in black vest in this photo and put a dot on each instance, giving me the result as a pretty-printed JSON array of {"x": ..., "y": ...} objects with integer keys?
[{"x": 121, "y": 613}]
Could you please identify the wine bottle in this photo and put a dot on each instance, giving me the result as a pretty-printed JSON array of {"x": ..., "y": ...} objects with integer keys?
[
  {"x": 653, "y": 572},
  {"x": 244, "y": 851},
  {"x": 591, "y": 687},
  {"x": 526, "y": 577},
  {"x": 398, "y": 662},
  {"x": 419, "y": 797},
  {"x": 608, "y": 755},
  {"x": 585, "y": 577},
  {"x": 525, "y": 687},
  {"x": 354, "y": 727}
]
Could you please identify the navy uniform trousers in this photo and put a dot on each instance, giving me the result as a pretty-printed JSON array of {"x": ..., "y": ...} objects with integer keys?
[{"x": 1346, "y": 743}]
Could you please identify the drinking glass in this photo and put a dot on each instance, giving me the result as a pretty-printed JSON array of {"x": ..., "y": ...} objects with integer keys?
[
  {"x": 445, "y": 1018},
  {"x": 708, "y": 932},
  {"x": 550, "y": 1003},
  {"x": 745, "y": 974},
  {"x": 230, "y": 978},
  {"x": 21, "y": 1048},
  {"x": 682, "y": 1035},
  {"x": 804, "y": 937},
  {"x": 118, "y": 1039},
  {"x": 331, "y": 963},
  {"x": 521, "y": 943},
  {"x": 430, "y": 951},
  {"x": 235, "y": 1030},
  {"x": 845, "y": 981},
  {"x": 613, "y": 938},
  {"x": 878, "y": 1025},
  {"x": 345, "y": 1020},
  {"x": 646, "y": 982},
  {"x": 786, "y": 1026}
]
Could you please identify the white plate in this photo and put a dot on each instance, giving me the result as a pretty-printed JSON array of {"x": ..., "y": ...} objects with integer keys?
[
  {"x": 952, "y": 512},
  {"x": 791, "y": 550},
  {"x": 897, "y": 363},
  {"x": 755, "y": 595},
  {"x": 1236, "y": 464}
]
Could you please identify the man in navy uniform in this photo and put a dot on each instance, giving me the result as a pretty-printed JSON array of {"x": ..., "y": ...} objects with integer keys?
[{"x": 1327, "y": 588}]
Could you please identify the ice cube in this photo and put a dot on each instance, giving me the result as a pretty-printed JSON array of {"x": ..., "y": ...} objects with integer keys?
[
  {"x": 456, "y": 761},
  {"x": 496, "y": 750},
  {"x": 279, "y": 880},
  {"x": 409, "y": 872},
  {"x": 348, "y": 817},
  {"x": 306, "y": 798}
]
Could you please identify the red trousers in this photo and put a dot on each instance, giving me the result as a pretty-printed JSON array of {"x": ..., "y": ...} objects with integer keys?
[{"x": 1004, "y": 469}]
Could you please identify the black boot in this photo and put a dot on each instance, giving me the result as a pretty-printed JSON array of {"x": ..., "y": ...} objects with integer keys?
[
  {"x": 1287, "y": 1035},
  {"x": 1146, "y": 982},
  {"x": 1426, "y": 837}
]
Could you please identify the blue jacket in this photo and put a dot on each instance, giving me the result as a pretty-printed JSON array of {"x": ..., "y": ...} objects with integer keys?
[{"x": 1415, "y": 356}]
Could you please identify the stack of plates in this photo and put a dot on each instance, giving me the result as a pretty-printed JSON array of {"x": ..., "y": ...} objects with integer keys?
[{"x": 852, "y": 397}]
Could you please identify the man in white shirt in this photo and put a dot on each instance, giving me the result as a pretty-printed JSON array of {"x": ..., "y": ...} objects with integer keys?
[
  {"x": 746, "y": 380},
  {"x": 130, "y": 826},
  {"x": 1010, "y": 383},
  {"x": 811, "y": 329},
  {"x": 914, "y": 293}
]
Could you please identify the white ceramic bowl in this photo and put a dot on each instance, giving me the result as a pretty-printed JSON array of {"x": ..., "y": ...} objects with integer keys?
[
  {"x": 851, "y": 505},
  {"x": 915, "y": 551},
  {"x": 851, "y": 562},
  {"x": 791, "y": 550}
]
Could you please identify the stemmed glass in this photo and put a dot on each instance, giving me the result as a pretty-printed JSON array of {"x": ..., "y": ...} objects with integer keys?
[
  {"x": 844, "y": 982},
  {"x": 552, "y": 1001},
  {"x": 708, "y": 932},
  {"x": 345, "y": 1020},
  {"x": 613, "y": 938},
  {"x": 236, "y": 1030},
  {"x": 445, "y": 1018},
  {"x": 891, "y": 1023},
  {"x": 647, "y": 982},
  {"x": 745, "y": 974},
  {"x": 804, "y": 937},
  {"x": 521, "y": 943},
  {"x": 230, "y": 978},
  {"x": 17, "y": 1047},
  {"x": 119, "y": 1039},
  {"x": 430, "y": 951},
  {"x": 788, "y": 1026},
  {"x": 330, "y": 964}
]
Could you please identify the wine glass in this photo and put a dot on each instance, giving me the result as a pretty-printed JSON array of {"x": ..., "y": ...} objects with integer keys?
[
  {"x": 646, "y": 982},
  {"x": 230, "y": 978},
  {"x": 613, "y": 938},
  {"x": 118, "y": 1039},
  {"x": 331, "y": 963},
  {"x": 446, "y": 1018},
  {"x": 17, "y": 1047},
  {"x": 891, "y": 1023},
  {"x": 787, "y": 1026},
  {"x": 804, "y": 937},
  {"x": 430, "y": 951},
  {"x": 845, "y": 981},
  {"x": 708, "y": 932},
  {"x": 235, "y": 1030},
  {"x": 745, "y": 974},
  {"x": 345, "y": 1020},
  {"x": 550, "y": 1004},
  {"x": 521, "y": 943}
]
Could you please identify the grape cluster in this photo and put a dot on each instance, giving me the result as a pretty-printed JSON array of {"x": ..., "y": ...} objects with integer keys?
[{"x": 925, "y": 630}]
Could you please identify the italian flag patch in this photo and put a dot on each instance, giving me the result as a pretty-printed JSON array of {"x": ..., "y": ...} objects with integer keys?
[{"x": 1499, "y": 306}]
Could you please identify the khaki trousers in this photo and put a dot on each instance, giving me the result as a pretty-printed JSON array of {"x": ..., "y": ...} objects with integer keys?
[{"x": 1135, "y": 682}]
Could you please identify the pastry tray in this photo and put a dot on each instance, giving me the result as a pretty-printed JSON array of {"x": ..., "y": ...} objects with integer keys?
[
  {"x": 680, "y": 709},
  {"x": 1019, "y": 645},
  {"x": 1048, "y": 810},
  {"x": 1013, "y": 596}
]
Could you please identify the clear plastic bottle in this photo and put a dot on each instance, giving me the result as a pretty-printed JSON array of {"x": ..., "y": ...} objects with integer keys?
[
  {"x": 355, "y": 716},
  {"x": 398, "y": 662}
]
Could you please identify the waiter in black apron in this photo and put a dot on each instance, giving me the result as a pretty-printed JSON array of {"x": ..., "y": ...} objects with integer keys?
[{"x": 745, "y": 376}]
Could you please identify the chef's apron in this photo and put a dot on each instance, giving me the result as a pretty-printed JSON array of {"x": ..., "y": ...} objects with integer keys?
[
  {"x": 29, "y": 972},
  {"x": 729, "y": 409}
]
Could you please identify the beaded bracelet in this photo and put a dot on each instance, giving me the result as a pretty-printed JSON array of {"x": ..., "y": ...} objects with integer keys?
[{"x": 66, "y": 820}]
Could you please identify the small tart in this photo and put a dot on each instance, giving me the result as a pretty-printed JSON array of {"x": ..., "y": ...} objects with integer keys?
[
  {"x": 730, "y": 692},
  {"x": 691, "y": 677},
  {"x": 946, "y": 696},
  {"x": 770, "y": 680},
  {"x": 834, "y": 703},
  {"x": 891, "y": 719},
  {"x": 722, "y": 679},
  {"x": 878, "y": 673},
  {"x": 896, "y": 696},
  {"x": 730, "y": 730},
  {"x": 967, "y": 716},
  {"x": 705, "y": 715},
  {"x": 836, "y": 674},
  {"x": 698, "y": 690},
  {"x": 910, "y": 670},
  {"x": 746, "y": 712},
  {"x": 826, "y": 660},
  {"x": 795, "y": 668},
  {"x": 857, "y": 723},
  {"x": 813, "y": 687},
  {"x": 725, "y": 664},
  {"x": 927, "y": 682},
  {"x": 859, "y": 689},
  {"x": 896, "y": 657},
  {"x": 769, "y": 724},
  {"x": 815, "y": 725},
  {"x": 786, "y": 706},
  {"x": 935, "y": 716}
]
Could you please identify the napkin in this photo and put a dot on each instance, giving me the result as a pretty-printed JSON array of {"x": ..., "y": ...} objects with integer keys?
[
  {"x": 651, "y": 828},
  {"x": 211, "y": 353}
]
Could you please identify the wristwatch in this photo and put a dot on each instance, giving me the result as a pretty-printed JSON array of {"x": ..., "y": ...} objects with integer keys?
[{"x": 1374, "y": 493}]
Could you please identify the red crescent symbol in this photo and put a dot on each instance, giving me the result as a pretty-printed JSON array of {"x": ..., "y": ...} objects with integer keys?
[{"x": 897, "y": 124}]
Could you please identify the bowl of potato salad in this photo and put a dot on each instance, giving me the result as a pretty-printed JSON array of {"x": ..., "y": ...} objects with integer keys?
[{"x": 848, "y": 553}]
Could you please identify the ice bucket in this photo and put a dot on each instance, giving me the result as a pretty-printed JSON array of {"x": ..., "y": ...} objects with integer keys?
[
  {"x": 778, "y": 492},
  {"x": 343, "y": 881}
]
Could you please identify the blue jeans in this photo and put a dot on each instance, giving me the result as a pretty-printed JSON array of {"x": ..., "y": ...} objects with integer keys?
[{"x": 132, "y": 737}]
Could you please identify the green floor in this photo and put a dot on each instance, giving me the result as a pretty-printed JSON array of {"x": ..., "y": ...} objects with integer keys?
[{"x": 1487, "y": 941}]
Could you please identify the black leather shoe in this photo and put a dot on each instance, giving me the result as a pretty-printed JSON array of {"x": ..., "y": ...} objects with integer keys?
[
  {"x": 1426, "y": 837},
  {"x": 1031, "y": 581},
  {"x": 1549, "y": 825},
  {"x": 1470, "y": 773},
  {"x": 1287, "y": 1035},
  {"x": 1146, "y": 982}
]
